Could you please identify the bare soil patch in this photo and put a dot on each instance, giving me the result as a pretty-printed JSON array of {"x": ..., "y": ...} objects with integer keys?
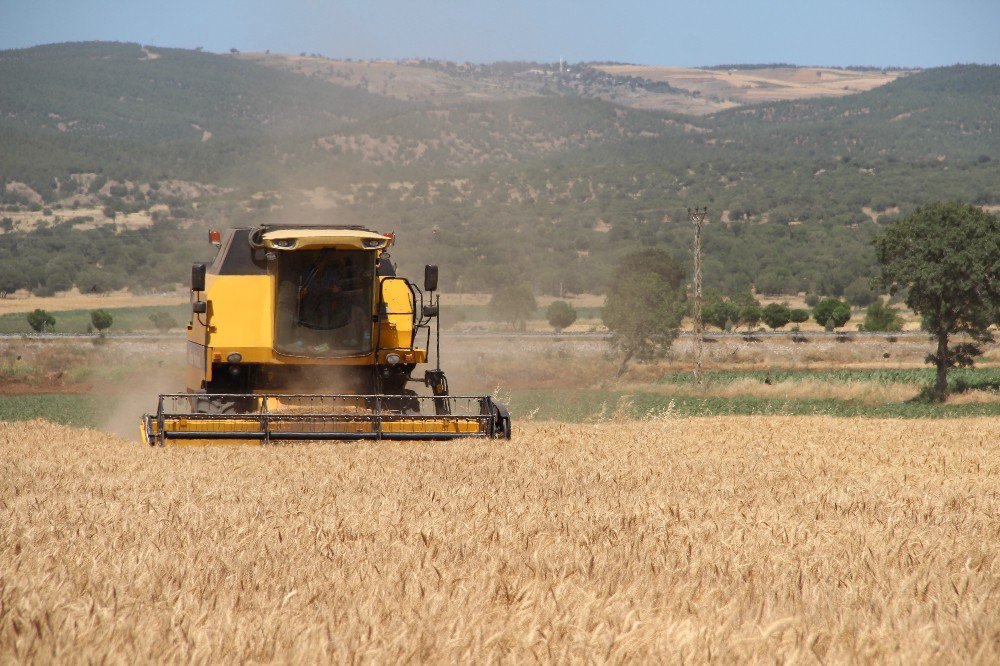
[
  {"x": 745, "y": 86},
  {"x": 74, "y": 300}
]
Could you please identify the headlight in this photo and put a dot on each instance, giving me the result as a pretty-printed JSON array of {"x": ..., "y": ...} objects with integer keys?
[
  {"x": 392, "y": 359},
  {"x": 235, "y": 357},
  {"x": 285, "y": 243},
  {"x": 373, "y": 243}
]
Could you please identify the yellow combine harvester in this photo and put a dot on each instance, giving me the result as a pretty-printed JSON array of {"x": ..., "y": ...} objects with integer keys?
[{"x": 306, "y": 333}]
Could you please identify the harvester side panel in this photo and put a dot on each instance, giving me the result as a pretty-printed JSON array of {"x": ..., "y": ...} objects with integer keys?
[{"x": 397, "y": 329}]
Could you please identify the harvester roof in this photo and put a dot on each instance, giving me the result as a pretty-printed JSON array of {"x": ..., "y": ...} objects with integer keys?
[{"x": 323, "y": 237}]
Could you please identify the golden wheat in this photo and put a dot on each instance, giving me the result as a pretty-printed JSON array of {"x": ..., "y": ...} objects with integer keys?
[{"x": 778, "y": 538}]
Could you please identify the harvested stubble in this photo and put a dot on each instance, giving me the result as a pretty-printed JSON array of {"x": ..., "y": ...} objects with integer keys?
[{"x": 790, "y": 538}]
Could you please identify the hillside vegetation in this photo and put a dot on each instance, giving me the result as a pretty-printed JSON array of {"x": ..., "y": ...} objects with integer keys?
[{"x": 544, "y": 182}]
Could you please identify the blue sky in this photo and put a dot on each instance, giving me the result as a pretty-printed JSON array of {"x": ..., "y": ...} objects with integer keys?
[{"x": 833, "y": 32}]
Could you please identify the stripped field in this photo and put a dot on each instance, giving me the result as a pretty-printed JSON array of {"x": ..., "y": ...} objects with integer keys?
[{"x": 725, "y": 538}]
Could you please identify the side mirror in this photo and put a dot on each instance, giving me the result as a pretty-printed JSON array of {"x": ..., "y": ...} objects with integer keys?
[
  {"x": 430, "y": 277},
  {"x": 198, "y": 277},
  {"x": 199, "y": 307}
]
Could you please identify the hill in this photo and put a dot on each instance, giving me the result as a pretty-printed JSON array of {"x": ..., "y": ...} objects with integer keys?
[
  {"x": 673, "y": 89},
  {"x": 500, "y": 173},
  {"x": 156, "y": 95}
]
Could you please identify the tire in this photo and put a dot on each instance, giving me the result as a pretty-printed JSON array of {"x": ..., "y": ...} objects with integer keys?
[{"x": 501, "y": 421}]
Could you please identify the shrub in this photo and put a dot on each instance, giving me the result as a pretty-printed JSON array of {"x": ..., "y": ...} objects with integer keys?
[
  {"x": 560, "y": 315},
  {"x": 720, "y": 314},
  {"x": 101, "y": 319},
  {"x": 881, "y": 317},
  {"x": 41, "y": 321},
  {"x": 163, "y": 321},
  {"x": 798, "y": 316},
  {"x": 831, "y": 313},
  {"x": 751, "y": 315},
  {"x": 776, "y": 315}
]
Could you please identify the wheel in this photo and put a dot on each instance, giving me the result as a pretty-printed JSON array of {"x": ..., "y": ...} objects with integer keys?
[{"x": 501, "y": 421}]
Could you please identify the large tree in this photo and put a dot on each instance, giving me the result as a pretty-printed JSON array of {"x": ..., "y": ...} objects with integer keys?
[
  {"x": 11, "y": 279},
  {"x": 645, "y": 305},
  {"x": 947, "y": 257},
  {"x": 514, "y": 305}
]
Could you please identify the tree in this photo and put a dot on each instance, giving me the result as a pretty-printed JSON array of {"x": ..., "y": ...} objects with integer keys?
[
  {"x": 720, "y": 313},
  {"x": 560, "y": 315},
  {"x": 947, "y": 256},
  {"x": 60, "y": 272},
  {"x": 645, "y": 305},
  {"x": 514, "y": 305},
  {"x": 164, "y": 321},
  {"x": 101, "y": 319},
  {"x": 750, "y": 315},
  {"x": 798, "y": 316},
  {"x": 860, "y": 292},
  {"x": 41, "y": 321},
  {"x": 94, "y": 280},
  {"x": 881, "y": 317},
  {"x": 747, "y": 308},
  {"x": 776, "y": 315},
  {"x": 11, "y": 279},
  {"x": 831, "y": 313}
]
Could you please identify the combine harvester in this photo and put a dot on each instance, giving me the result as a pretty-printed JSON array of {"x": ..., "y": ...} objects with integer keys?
[{"x": 306, "y": 333}]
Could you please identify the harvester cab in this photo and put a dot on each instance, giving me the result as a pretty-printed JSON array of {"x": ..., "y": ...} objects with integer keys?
[{"x": 307, "y": 333}]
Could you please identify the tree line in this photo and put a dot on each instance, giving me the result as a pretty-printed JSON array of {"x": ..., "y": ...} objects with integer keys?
[{"x": 944, "y": 256}]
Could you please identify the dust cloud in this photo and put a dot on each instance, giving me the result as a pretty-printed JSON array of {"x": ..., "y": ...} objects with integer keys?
[{"x": 162, "y": 372}]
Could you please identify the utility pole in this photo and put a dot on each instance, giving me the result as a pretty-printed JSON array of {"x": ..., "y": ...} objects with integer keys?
[{"x": 698, "y": 217}]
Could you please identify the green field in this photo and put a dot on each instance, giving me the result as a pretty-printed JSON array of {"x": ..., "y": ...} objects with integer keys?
[
  {"x": 959, "y": 379},
  {"x": 594, "y": 405},
  {"x": 65, "y": 408},
  {"x": 575, "y": 406}
]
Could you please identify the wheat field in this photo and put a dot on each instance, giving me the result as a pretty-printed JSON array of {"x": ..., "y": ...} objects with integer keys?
[{"x": 801, "y": 539}]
